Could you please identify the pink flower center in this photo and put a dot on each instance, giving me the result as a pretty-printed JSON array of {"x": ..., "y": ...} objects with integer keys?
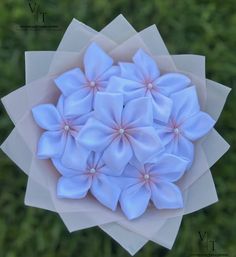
[
  {"x": 92, "y": 84},
  {"x": 92, "y": 170},
  {"x": 150, "y": 86},
  {"x": 66, "y": 127},
  {"x": 121, "y": 131},
  {"x": 176, "y": 131}
]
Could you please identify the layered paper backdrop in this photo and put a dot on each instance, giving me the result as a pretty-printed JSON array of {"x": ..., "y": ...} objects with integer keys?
[{"x": 120, "y": 40}]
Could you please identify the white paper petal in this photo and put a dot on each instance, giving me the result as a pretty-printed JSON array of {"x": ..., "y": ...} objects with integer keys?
[
  {"x": 129, "y": 240},
  {"x": 37, "y": 64},
  {"x": 22, "y": 155},
  {"x": 38, "y": 196},
  {"x": 216, "y": 93},
  {"x": 201, "y": 194},
  {"x": 214, "y": 147}
]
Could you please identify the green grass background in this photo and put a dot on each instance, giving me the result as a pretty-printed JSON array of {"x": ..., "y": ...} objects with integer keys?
[{"x": 188, "y": 26}]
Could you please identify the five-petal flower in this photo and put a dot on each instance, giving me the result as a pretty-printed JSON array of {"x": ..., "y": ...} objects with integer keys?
[
  {"x": 142, "y": 78},
  {"x": 153, "y": 181},
  {"x": 187, "y": 124},
  {"x": 94, "y": 177},
  {"x": 81, "y": 87},
  {"x": 122, "y": 132},
  {"x": 58, "y": 141}
]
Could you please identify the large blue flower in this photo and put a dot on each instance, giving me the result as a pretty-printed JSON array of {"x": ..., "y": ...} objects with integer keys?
[
  {"x": 153, "y": 181},
  {"x": 58, "y": 141},
  {"x": 142, "y": 78},
  {"x": 94, "y": 177},
  {"x": 81, "y": 87},
  {"x": 187, "y": 124},
  {"x": 121, "y": 132}
]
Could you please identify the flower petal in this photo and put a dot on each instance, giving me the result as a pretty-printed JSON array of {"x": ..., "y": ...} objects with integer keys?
[
  {"x": 181, "y": 147},
  {"x": 185, "y": 104},
  {"x": 164, "y": 132},
  {"x": 130, "y": 89},
  {"x": 169, "y": 168},
  {"x": 172, "y": 82},
  {"x": 63, "y": 170},
  {"x": 162, "y": 107},
  {"x": 147, "y": 65},
  {"x": 166, "y": 195},
  {"x": 145, "y": 142},
  {"x": 108, "y": 108},
  {"x": 131, "y": 72},
  {"x": 75, "y": 156},
  {"x": 47, "y": 117},
  {"x": 96, "y": 62},
  {"x": 51, "y": 145},
  {"x": 134, "y": 200},
  {"x": 105, "y": 191},
  {"x": 95, "y": 160},
  {"x": 138, "y": 113},
  {"x": 133, "y": 171},
  {"x": 186, "y": 148},
  {"x": 112, "y": 71},
  {"x": 71, "y": 81},
  {"x": 78, "y": 121},
  {"x": 60, "y": 105},
  {"x": 78, "y": 103},
  {"x": 95, "y": 136},
  {"x": 75, "y": 187},
  {"x": 197, "y": 126},
  {"x": 117, "y": 155}
]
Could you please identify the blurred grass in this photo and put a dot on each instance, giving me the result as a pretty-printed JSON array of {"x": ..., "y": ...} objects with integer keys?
[{"x": 188, "y": 26}]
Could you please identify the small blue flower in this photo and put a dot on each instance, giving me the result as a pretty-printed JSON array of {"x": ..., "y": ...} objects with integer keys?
[
  {"x": 81, "y": 87},
  {"x": 94, "y": 177},
  {"x": 187, "y": 124},
  {"x": 142, "y": 78},
  {"x": 122, "y": 132},
  {"x": 58, "y": 141},
  {"x": 152, "y": 181}
]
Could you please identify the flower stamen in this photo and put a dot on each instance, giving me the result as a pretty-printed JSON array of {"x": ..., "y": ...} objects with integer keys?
[
  {"x": 150, "y": 86},
  {"x": 121, "y": 131},
  {"x": 92, "y": 84},
  {"x": 92, "y": 171},
  {"x": 176, "y": 131},
  {"x": 66, "y": 127}
]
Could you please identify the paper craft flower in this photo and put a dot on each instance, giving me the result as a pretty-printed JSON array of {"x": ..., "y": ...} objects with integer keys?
[
  {"x": 81, "y": 87},
  {"x": 59, "y": 139},
  {"x": 186, "y": 124},
  {"x": 129, "y": 145},
  {"x": 121, "y": 132},
  {"x": 94, "y": 176},
  {"x": 142, "y": 78},
  {"x": 153, "y": 181}
]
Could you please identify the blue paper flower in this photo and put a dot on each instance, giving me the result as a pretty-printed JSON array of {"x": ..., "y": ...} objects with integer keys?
[
  {"x": 153, "y": 181},
  {"x": 81, "y": 87},
  {"x": 58, "y": 141},
  {"x": 121, "y": 132},
  {"x": 142, "y": 78},
  {"x": 94, "y": 177},
  {"x": 187, "y": 124}
]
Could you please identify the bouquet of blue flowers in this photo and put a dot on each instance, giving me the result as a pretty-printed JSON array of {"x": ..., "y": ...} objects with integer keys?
[{"x": 115, "y": 132}]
